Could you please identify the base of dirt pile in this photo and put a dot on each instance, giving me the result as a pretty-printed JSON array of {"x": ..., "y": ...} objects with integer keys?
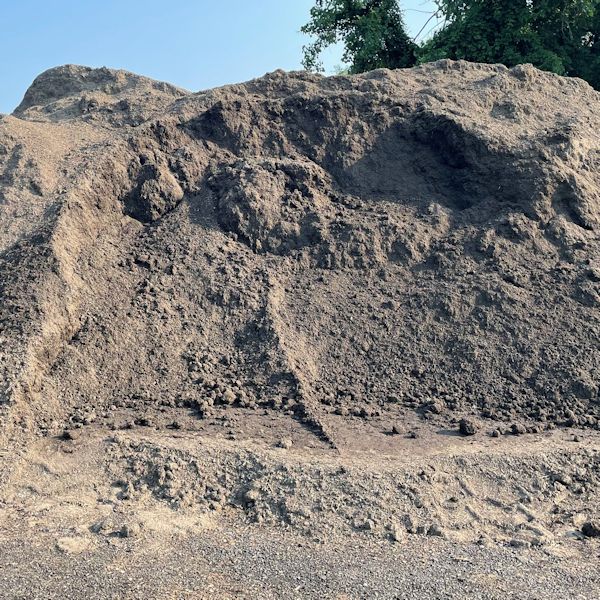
[{"x": 142, "y": 513}]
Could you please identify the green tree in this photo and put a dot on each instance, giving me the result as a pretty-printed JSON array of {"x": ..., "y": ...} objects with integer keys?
[
  {"x": 551, "y": 34},
  {"x": 372, "y": 32},
  {"x": 586, "y": 61},
  {"x": 562, "y": 36},
  {"x": 566, "y": 28}
]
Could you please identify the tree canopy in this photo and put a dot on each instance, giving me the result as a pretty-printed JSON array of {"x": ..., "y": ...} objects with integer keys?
[
  {"x": 562, "y": 36},
  {"x": 372, "y": 32}
]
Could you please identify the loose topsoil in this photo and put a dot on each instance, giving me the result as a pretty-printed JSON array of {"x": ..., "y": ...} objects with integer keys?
[{"x": 402, "y": 244}]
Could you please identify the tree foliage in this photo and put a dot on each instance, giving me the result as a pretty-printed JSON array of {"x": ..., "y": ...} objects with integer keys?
[
  {"x": 372, "y": 32},
  {"x": 562, "y": 36},
  {"x": 551, "y": 34}
]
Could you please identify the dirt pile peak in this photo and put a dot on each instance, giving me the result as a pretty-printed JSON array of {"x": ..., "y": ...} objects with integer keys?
[{"x": 72, "y": 91}]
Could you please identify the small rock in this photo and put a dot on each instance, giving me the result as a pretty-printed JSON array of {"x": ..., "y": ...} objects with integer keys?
[
  {"x": 252, "y": 495},
  {"x": 562, "y": 478},
  {"x": 577, "y": 438},
  {"x": 467, "y": 427},
  {"x": 518, "y": 429},
  {"x": 495, "y": 433},
  {"x": 99, "y": 526},
  {"x": 519, "y": 543},
  {"x": 591, "y": 529},
  {"x": 89, "y": 418},
  {"x": 593, "y": 272},
  {"x": 285, "y": 443},
  {"x": 397, "y": 532},
  {"x": 369, "y": 525},
  {"x": 364, "y": 524},
  {"x": 435, "y": 407},
  {"x": 131, "y": 530},
  {"x": 396, "y": 430},
  {"x": 435, "y": 531},
  {"x": 73, "y": 545},
  {"x": 71, "y": 434},
  {"x": 228, "y": 397}
]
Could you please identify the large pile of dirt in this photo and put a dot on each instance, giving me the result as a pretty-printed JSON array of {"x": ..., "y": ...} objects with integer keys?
[{"x": 348, "y": 247}]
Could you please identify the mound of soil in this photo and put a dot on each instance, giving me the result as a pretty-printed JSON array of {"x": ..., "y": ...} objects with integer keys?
[{"x": 359, "y": 247}]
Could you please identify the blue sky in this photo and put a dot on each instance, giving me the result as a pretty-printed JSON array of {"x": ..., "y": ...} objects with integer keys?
[{"x": 195, "y": 44}]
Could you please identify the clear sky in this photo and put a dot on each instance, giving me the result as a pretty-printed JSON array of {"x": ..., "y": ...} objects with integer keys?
[{"x": 196, "y": 44}]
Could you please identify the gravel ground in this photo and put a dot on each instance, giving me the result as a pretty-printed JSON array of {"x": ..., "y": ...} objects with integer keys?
[{"x": 256, "y": 562}]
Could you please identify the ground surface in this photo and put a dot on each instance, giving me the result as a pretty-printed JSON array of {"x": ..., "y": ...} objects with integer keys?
[
  {"x": 301, "y": 337},
  {"x": 254, "y": 563},
  {"x": 94, "y": 517}
]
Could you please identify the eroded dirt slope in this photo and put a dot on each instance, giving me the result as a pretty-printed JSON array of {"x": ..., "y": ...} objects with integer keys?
[{"x": 365, "y": 247}]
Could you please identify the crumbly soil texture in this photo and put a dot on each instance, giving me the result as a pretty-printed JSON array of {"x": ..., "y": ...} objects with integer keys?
[{"x": 345, "y": 308}]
